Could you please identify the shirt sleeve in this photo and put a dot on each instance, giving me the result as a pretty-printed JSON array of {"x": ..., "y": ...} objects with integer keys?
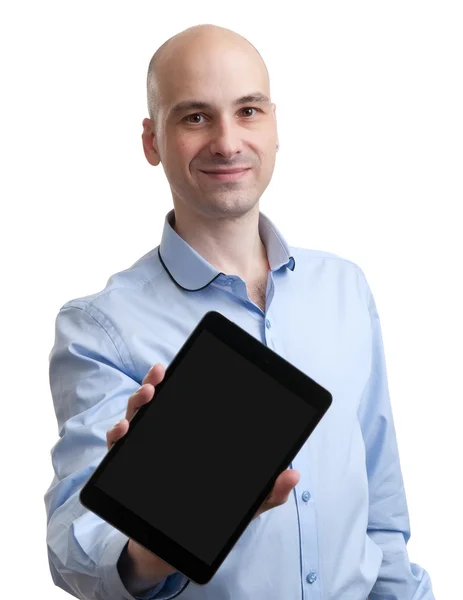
[
  {"x": 388, "y": 519},
  {"x": 91, "y": 378}
]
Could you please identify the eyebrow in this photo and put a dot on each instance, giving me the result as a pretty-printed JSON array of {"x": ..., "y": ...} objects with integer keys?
[{"x": 254, "y": 98}]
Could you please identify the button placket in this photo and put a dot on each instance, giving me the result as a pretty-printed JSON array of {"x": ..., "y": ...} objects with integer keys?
[{"x": 307, "y": 515}]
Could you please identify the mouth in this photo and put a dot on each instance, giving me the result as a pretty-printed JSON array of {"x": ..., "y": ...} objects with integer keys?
[{"x": 226, "y": 174}]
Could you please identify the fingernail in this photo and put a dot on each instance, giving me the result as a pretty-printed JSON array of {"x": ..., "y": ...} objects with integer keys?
[{"x": 118, "y": 423}]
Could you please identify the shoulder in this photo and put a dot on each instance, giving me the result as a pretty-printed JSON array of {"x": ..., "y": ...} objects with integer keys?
[
  {"x": 328, "y": 266},
  {"x": 122, "y": 285},
  {"x": 310, "y": 256}
]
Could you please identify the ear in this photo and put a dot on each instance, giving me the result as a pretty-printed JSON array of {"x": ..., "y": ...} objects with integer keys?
[
  {"x": 274, "y": 108},
  {"x": 149, "y": 143}
]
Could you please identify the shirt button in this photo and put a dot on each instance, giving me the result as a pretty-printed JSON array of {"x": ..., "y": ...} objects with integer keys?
[
  {"x": 228, "y": 281},
  {"x": 267, "y": 324},
  {"x": 306, "y": 496},
  {"x": 311, "y": 577}
]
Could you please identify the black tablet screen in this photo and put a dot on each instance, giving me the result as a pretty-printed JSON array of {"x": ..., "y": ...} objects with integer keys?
[{"x": 206, "y": 447}]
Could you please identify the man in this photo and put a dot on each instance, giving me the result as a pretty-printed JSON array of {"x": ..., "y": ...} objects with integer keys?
[{"x": 336, "y": 524}]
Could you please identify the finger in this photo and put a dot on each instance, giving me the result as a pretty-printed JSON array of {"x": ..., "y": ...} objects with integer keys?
[
  {"x": 284, "y": 484},
  {"x": 116, "y": 432},
  {"x": 138, "y": 399},
  {"x": 143, "y": 395},
  {"x": 155, "y": 375}
]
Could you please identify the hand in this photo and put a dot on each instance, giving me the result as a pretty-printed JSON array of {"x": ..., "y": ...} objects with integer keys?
[
  {"x": 146, "y": 568},
  {"x": 142, "y": 396},
  {"x": 281, "y": 490}
]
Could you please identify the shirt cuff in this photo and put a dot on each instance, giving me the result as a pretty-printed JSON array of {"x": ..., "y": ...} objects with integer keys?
[
  {"x": 114, "y": 587},
  {"x": 172, "y": 587}
]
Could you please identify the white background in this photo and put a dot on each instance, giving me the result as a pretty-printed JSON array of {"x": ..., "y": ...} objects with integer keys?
[{"x": 369, "y": 105}]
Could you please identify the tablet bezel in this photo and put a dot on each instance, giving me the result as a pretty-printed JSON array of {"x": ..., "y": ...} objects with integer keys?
[{"x": 123, "y": 519}]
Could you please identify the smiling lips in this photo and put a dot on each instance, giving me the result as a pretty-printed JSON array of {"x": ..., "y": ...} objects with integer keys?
[
  {"x": 227, "y": 174},
  {"x": 236, "y": 170}
]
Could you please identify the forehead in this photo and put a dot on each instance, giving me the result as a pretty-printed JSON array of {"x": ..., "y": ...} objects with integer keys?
[{"x": 220, "y": 77}]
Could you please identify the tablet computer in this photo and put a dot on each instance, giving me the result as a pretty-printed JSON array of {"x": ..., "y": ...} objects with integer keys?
[{"x": 199, "y": 460}]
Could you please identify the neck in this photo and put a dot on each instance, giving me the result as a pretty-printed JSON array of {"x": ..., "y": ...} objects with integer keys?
[{"x": 230, "y": 244}]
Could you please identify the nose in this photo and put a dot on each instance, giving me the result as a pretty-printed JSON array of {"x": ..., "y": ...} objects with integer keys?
[{"x": 226, "y": 139}]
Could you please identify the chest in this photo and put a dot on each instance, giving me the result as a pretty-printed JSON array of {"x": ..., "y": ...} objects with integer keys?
[{"x": 257, "y": 293}]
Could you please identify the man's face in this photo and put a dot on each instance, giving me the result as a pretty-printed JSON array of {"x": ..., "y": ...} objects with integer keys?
[{"x": 215, "y": 114}]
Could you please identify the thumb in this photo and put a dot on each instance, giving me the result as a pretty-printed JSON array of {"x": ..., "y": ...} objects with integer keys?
[{"x": 284, "y": 484}]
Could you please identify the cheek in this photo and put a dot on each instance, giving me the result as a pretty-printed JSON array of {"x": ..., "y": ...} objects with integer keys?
[
  {"x": 183, "y": 153},
  {"x": 178, "y": 157}
]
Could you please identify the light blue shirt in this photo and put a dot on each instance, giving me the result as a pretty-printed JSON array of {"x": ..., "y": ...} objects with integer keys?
[{"x": 342, "y": 534}]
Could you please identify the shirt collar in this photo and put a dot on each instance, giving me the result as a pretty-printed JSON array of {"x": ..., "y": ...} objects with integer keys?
[{"x": 192, "y": 272}]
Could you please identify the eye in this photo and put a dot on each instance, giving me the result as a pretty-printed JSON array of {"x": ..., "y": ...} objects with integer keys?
[
  {"x": 250, "y": 108},
  {"x": 187, "y": 118},
  {"x": 198, "y": 122}
]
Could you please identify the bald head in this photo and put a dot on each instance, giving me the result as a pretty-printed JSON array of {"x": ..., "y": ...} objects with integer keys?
[
  {"x": 201, "y": 40},
  {"x": 210, "y": 108}
]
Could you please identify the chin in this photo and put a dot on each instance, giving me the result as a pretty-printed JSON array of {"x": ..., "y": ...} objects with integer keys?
[{"x": 233, "y": 205}]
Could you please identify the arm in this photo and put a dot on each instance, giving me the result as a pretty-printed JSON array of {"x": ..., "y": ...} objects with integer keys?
[
  {"x": 91, "y": 378},
  {"x": 143, "y": 580},
  {"x": 388, "y": 520}
]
